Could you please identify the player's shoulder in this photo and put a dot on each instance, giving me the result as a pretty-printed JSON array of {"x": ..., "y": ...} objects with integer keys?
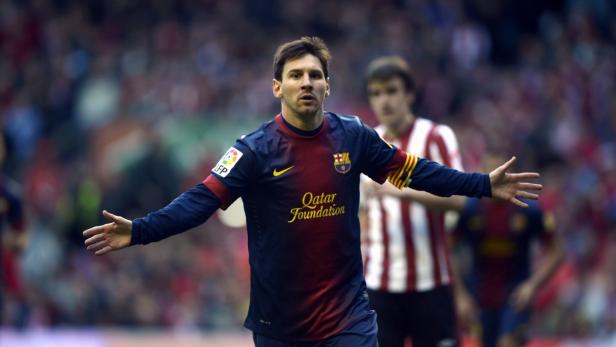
[
  {"x": 256, "y": 139},
  {"x": 344, "y": 120},
  {"x": 350, "y": 125}
]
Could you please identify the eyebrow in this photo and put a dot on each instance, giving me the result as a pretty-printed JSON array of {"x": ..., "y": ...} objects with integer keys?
[{"x": 302, "y": 70}]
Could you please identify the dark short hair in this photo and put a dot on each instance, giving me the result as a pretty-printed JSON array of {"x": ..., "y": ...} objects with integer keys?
[
  {"x": 298, "y": 48},
  {"x": 386, "y": 68}
]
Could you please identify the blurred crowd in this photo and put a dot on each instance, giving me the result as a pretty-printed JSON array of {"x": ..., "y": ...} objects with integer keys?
[{"x": 123, "y": 104}]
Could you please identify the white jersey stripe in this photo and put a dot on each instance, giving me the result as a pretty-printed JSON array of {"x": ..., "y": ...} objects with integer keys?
[
  {"x": 376, "y": 248},
  {"x": 397, "y": 251},
  {"x": 421, "y": 241}
]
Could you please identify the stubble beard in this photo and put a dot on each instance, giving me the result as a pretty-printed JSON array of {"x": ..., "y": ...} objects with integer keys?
[{"x": 308, "y": 113}]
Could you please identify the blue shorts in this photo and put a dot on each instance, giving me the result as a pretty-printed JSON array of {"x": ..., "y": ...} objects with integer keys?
[
  {"x": 361, "y": 334},
  {"x": 501, "y": 321}
]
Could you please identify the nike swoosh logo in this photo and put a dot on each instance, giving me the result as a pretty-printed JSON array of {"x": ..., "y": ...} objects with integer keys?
[{"x": 278, "y": 173}]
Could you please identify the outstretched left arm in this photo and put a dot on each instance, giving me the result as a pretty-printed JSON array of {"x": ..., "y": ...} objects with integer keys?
[
  {"x": 422, "y": 174},
  {"x": 383, "y": 161}
]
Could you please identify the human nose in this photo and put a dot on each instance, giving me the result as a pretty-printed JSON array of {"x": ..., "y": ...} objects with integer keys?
[
  {"x": 381, "y": 99},
  {"x": 306, "y": 81}
]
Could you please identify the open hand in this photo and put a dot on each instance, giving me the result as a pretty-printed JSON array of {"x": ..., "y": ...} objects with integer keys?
[
  {"x": 109, "y": 237},
  {"x": 510, "y": 186}
]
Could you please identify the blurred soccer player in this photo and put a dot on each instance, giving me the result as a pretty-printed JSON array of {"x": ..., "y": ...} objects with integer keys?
[
  {"x": 501, "y": 281},
  {"x": 502, "y": 284},
  {"x": 13, "y": 242},
  {"x": 406, "y": 250},
  {"x": 298, "y": 176}
]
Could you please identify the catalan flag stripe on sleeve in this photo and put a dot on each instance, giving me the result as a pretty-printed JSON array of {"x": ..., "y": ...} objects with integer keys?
[
  {"x": 401, "y": 177},
  {"x": 407, "y": 180}
]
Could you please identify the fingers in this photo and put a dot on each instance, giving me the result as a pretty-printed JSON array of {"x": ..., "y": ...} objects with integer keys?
[
  {"x": 112, "y": 217},
  {"x": 97, "y": 236},
  {"x": 105, "y": 250},
  {"x": 529, "y": 186},
  {"x": 522, "y": 176},
  {"x": 517, "y": 202},
  {"x": 94, "y": 239},
  {"x": 96, "y": 230},
  {"x": 98, "y": 246},
  {"x": 507, "y": 165},
  {"x": 526, "y": 195}
]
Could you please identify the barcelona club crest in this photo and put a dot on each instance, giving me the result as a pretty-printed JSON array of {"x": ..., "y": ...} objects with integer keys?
[{"x": 342, "y": 162}]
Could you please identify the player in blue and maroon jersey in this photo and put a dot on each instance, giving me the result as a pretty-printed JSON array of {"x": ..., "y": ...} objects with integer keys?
[
  {"x": 500, "y": 237},
  {"x": 298, "y": 176}
]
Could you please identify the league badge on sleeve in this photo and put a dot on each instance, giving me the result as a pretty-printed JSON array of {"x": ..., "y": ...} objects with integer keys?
[
  {"x": 342, "y": 162},
  {"x": 227, "y": 162}
]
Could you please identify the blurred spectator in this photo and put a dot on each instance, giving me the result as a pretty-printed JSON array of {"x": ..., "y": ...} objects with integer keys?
[{"x": 13, "y": 240}]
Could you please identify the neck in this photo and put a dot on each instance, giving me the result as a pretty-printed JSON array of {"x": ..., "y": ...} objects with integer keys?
[
  {"x": 305, "y": 122},
  {"x": 398, "y": 128}
]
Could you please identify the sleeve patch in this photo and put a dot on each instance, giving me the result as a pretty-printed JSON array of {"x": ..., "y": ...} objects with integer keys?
[{"x": 227, "y": 162}]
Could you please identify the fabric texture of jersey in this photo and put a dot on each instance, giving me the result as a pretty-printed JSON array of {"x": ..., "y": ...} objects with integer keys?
[{"x": 406, "y": 246}]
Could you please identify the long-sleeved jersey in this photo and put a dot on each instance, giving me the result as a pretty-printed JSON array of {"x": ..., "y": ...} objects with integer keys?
[{"x": 301, "y": 196}]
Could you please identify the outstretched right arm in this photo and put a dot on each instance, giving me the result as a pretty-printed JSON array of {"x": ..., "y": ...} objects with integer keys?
[
  {"x": 188, "y": 210},
  {"x": 226, "y": 182}
]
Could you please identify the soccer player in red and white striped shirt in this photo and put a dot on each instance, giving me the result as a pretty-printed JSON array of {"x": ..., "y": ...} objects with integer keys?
[{"x": 406, "y": 257}]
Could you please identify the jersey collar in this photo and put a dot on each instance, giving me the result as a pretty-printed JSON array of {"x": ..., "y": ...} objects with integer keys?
[{"x": 291, "y": 131}]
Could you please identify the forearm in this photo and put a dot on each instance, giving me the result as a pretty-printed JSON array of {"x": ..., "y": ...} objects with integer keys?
[
  {"x": 187, "y": 211},
  {"x": 440, "y": 180},
  {"x": 545, "y": 271},
  {"x": 455, "y": 203}
]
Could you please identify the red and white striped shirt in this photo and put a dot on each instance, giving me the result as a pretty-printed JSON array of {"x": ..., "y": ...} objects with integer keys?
[{"x": 405, "y": 248}]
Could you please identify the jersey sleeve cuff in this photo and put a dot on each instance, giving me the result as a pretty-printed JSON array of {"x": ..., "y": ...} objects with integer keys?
[
  {"x": 487, "y": 186},
  {"x": 220, "y": 191},
  {"x": 135, "y": 238}
]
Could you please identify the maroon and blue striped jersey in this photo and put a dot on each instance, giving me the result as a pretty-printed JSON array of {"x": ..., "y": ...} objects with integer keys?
[
  {"x": 301, "y": 196},
  {"x": 500, "y": 236}
]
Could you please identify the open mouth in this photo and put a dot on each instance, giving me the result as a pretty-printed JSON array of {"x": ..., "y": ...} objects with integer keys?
[{"x": 307, "y": 97}]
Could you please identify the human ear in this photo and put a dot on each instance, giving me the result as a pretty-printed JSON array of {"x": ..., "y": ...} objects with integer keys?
[{"x": 276, "y": 88}]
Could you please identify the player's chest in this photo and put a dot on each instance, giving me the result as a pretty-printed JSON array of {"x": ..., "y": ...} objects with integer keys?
[{"x": 320, "y": 166}]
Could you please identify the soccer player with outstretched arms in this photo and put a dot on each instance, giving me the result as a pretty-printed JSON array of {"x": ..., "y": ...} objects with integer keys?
[{"x": 298, "y": 176}]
